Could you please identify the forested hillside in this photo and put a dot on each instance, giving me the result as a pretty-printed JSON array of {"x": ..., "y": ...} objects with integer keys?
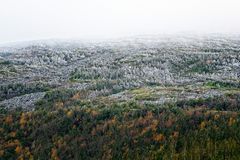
[{"x": 150, "y": 97}]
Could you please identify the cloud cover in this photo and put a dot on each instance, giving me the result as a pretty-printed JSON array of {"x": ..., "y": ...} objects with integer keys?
[{"x": 42, "y": 19}]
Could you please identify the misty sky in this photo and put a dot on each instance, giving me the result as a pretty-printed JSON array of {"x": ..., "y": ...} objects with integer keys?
[{"x": 22, "y": 20}]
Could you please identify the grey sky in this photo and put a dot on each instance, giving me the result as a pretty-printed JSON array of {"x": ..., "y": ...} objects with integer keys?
[{"x": 22, "y": 20}]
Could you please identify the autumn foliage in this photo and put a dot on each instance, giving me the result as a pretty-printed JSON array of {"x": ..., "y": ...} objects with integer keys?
[{"x": 120, "y": 131}]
